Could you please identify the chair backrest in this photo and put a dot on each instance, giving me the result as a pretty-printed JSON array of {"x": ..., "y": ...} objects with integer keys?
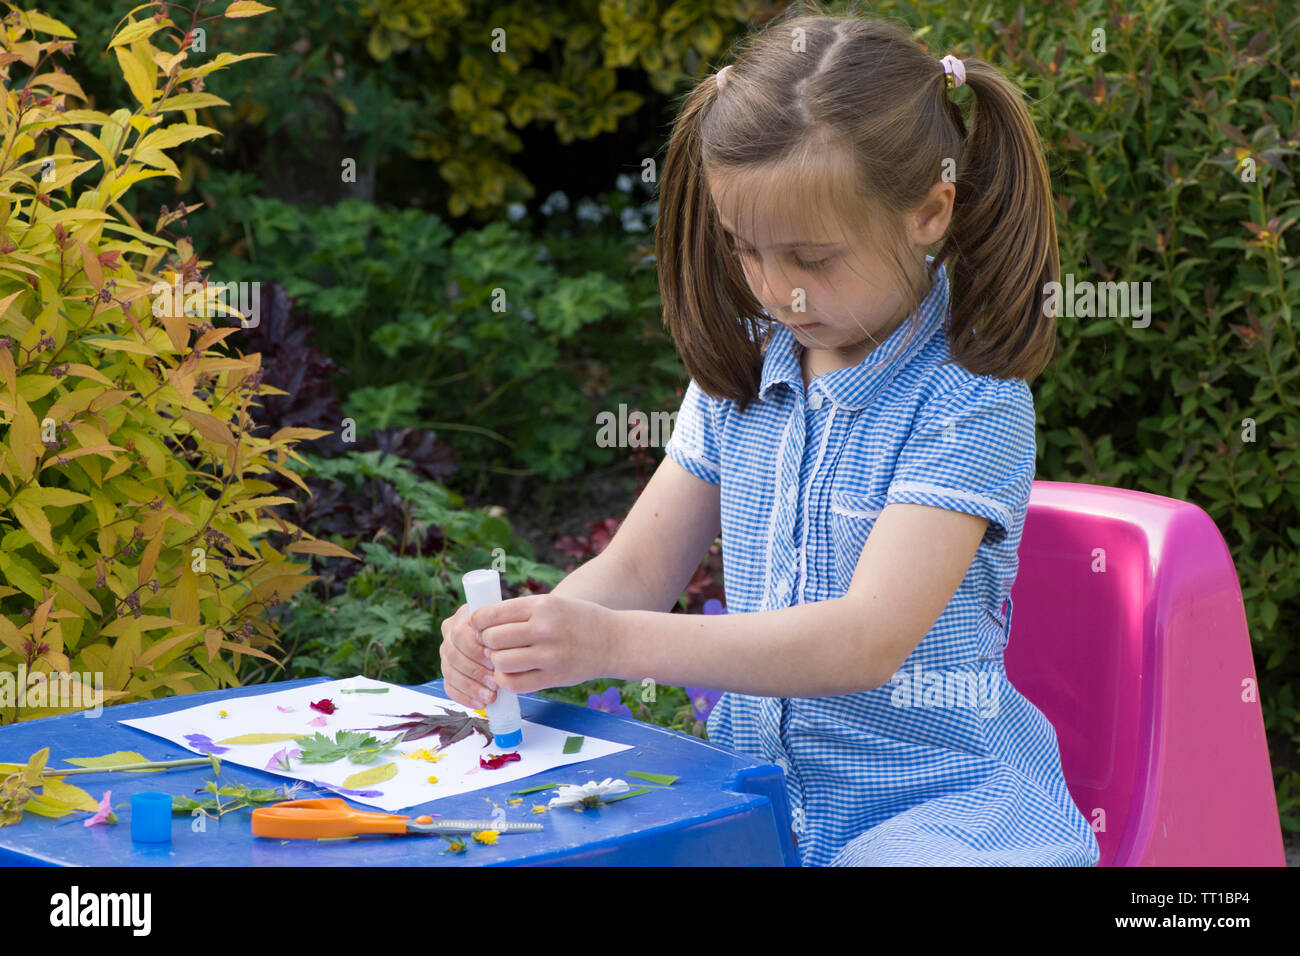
[{"x": 1129, "y": 634}]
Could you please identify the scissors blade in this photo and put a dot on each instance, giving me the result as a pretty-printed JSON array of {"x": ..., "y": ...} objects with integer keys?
[{"x": 470, "y": 826}]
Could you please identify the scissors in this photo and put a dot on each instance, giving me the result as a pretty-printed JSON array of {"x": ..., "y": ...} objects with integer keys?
[{"x": 332, "y": 817}]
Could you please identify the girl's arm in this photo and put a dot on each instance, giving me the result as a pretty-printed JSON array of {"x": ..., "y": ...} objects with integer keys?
[
  {"x": 912, "y": 564},
  {"x": 647, "y": 565}
]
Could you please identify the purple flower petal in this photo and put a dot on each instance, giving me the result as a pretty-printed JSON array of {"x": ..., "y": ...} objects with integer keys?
[
  {"x": 714, "y": 606},
  {"x": 203, "y": 743},
  {"x": 611, "y": 702},
  {"x": 280, "y": 761},
  {"x": 346, "y": 792},
  {"x": 284, "y": 710},
  {"x": 703, "y": 701},
  {"x": 317, "y": 722}
]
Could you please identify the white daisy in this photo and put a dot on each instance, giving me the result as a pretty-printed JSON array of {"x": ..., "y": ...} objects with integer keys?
[{"x": 588, "y": 794}]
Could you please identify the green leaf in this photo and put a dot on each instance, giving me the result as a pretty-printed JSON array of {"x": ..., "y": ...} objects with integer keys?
[
  {"x": 573, "y": 744},
  {"x": 111, "y": 760},
  {"x": 65, "y": 794},
  {"x": 542, "y": 786},
  {"x": 357, "y": 747},
  {"x": 364, "y": 690},
  {"x": 365, "y": 778},
  {"x": 630, "y": 793},
  {"x": 659, "y": 778},
  {"x": 259, "y": 738}
]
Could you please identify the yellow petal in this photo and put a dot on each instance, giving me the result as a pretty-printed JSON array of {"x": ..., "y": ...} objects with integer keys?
[
  {"x": 537, "y": 808},
  {"x": 486, "y": 836}
]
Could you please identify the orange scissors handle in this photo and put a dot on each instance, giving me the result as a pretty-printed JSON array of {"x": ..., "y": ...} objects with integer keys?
[{"x": 321, "y": 817}]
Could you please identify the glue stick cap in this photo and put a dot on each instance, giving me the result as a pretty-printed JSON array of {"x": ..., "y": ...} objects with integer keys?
[
  {"x": 508, "y": 741},
  {"x": 482, "y": 587},
  {"x": 151, "y": 817}
]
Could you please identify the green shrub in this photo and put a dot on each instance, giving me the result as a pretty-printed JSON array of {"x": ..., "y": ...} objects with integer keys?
[
  {"x": 385, "y": 621},
  {"x": 507, "y": 345},
  {"x": 132, "y": 509}
]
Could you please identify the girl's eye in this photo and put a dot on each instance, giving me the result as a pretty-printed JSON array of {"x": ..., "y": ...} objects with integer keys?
[{"x": 813, "y": 266}]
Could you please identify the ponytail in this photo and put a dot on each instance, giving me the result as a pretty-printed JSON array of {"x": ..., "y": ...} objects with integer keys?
[{"x": 1002, "y": 238}]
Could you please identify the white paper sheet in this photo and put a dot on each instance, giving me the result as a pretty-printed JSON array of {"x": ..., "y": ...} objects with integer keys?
[{"x": 457, "y": 772}]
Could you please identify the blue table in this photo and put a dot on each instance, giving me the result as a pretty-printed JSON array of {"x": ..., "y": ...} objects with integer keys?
[{"x": 726, "y": 810}]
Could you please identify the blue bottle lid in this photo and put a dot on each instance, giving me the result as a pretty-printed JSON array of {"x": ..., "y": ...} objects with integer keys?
[
  {"x": 510, "y": 740},
  {"x": 151, "y": 817}
]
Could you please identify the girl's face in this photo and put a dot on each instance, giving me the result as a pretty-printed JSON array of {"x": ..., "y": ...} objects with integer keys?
[{"x": 827, "y": 282}]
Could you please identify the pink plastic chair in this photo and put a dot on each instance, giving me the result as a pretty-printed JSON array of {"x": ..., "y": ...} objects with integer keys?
[{"x": 1142, "y": 669}]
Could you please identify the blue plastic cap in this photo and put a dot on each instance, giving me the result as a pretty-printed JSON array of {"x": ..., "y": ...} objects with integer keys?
[
  {"x": 506, "y": 741},
  {"x": 151, "y": 817}
]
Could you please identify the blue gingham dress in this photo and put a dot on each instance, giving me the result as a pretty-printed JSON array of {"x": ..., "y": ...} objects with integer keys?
[{"x": 947, "y": 763}]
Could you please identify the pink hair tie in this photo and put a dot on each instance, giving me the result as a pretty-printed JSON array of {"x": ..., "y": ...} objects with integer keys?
[
  {"x": 722, "y": 77},
  {"x": 954, "y": 71}
]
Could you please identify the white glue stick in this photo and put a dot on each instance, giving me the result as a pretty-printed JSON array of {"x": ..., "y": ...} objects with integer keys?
[{"x": 483, "y": 587}]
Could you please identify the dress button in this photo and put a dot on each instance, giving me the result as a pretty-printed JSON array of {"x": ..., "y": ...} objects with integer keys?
[{"x": 815, "y": 400}]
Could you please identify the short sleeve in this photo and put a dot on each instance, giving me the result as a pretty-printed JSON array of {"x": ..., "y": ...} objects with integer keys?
[
  {"x": 972, "y": 450},
  {"x": 693, "y": 443}
]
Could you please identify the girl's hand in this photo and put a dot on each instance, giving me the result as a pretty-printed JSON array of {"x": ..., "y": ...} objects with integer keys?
[
  {"x": 466, "y": 670},
  {"x": 544, "y": 640}
]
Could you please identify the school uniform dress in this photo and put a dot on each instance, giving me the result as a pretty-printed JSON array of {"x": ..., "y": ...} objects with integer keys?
[{"x": 948, "y": 764}]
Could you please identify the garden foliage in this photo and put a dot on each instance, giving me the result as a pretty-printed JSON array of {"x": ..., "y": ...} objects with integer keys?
[{"x": 134, "y": 500}]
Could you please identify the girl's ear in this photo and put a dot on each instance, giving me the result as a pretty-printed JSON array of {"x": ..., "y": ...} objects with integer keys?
[{"x": 929, "y": 221}]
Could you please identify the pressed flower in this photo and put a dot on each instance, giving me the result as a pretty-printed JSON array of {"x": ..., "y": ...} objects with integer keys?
[
  {"x": 497, "y": 761},
  {"x": 222, "y": 713},
  {"x": 487, "y": 837},
  {"x": 345, "y": 791},
  {"x": 538, "y": 808},
  {"x": 203, "y": 743},
  {"x": 455, "y": 846},
  {"x": 610, "y": 702},
  {"x": 515, "y": 800},
  {"x": 588, "y": 794},
  {"x": 316, "y": 722},
  {"x": 105, "y": 812},
  {"x": 284, "y": 710},
  {"x": 280, "y": 760},
  {"x": 433, "y": 779},
  {"x": 325, "y": 706},
  {"x": 424, "y": 754}
]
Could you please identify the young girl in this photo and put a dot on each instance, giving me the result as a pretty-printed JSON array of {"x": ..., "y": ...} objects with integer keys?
[{"x": 859, "y": 428}]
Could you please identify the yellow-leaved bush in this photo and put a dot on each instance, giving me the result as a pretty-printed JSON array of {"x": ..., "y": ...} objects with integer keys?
[{"x": 134, "y": 505}]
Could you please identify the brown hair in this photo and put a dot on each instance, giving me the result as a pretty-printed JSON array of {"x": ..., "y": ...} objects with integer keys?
[{"x": 864, "y": 90}]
